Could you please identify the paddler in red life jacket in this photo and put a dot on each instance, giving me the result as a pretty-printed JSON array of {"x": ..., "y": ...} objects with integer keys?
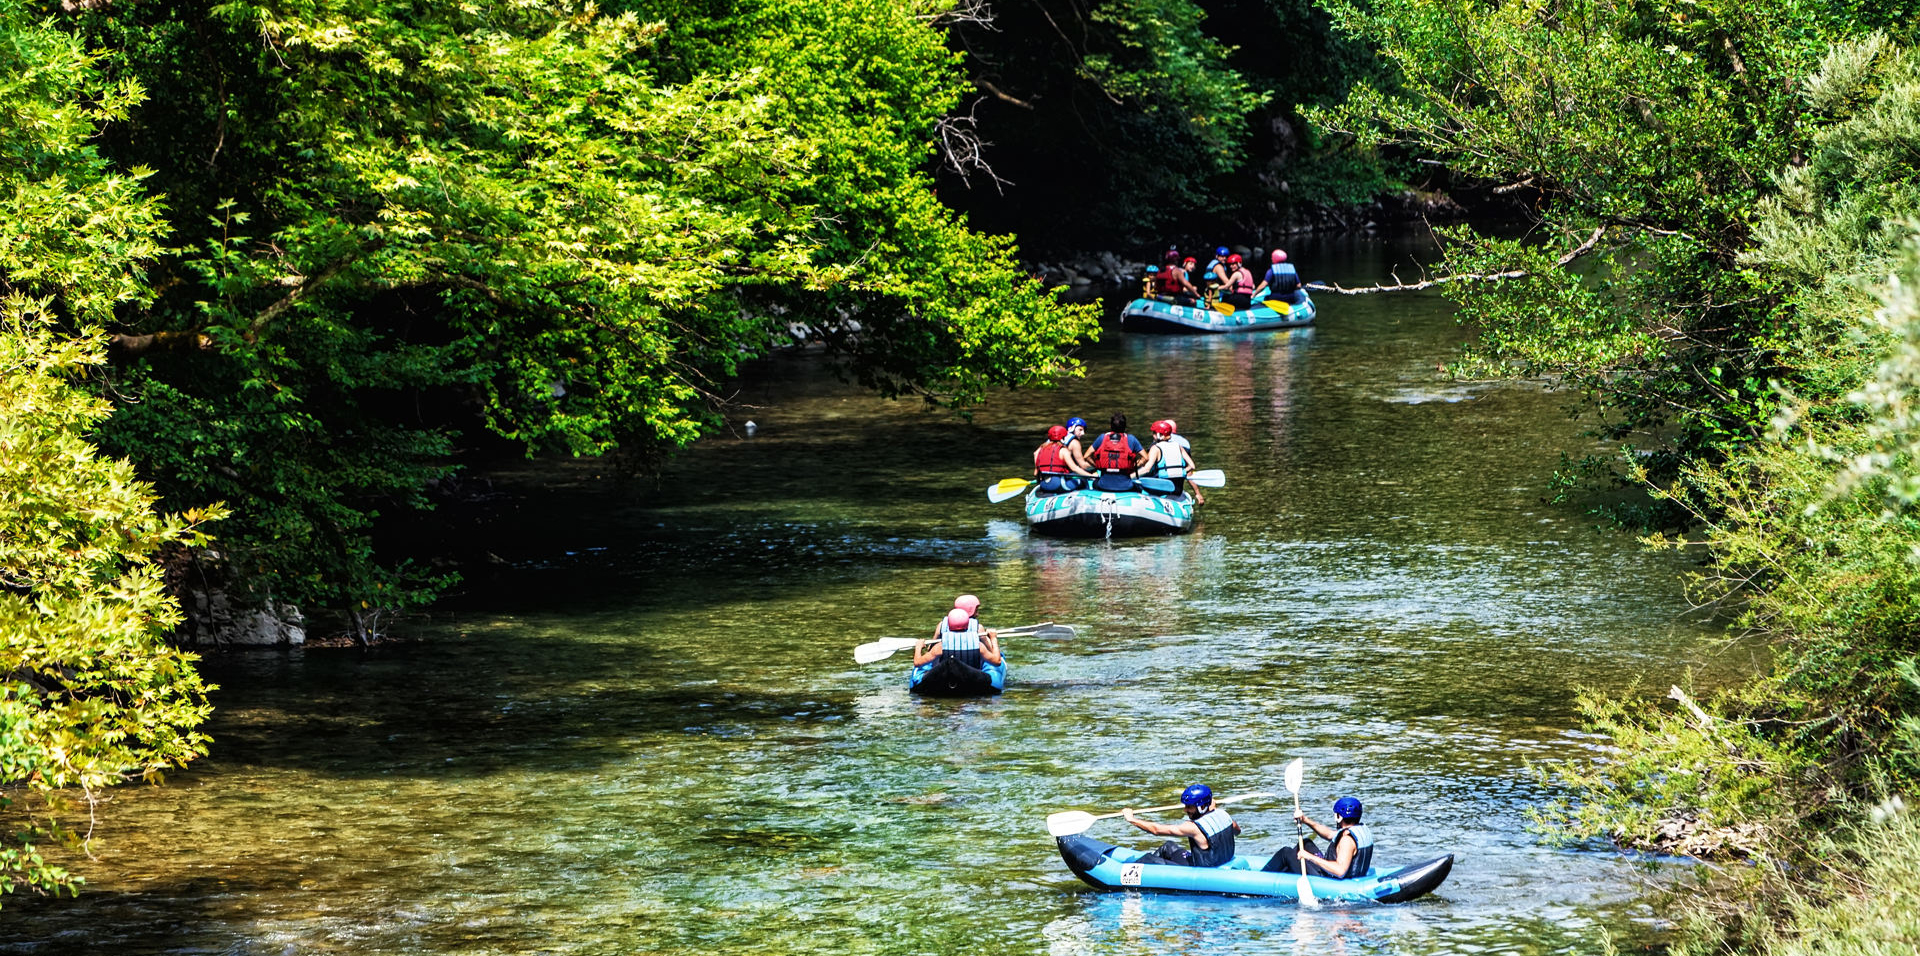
[
  {"x": 1208, "y": 829},
  {"x": 961, "y": 638},
  {"x": 1115, "y": 455},
  {"x": 1238, "y": 285},
  {"x": 1053, "y": 469},
  {"x": 1173, "y": 285}
]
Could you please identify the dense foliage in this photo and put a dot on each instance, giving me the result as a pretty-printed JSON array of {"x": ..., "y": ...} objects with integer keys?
[{"x": 90, "y": 692}]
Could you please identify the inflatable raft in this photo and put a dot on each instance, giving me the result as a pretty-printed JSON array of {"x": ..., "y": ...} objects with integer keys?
[
  {"x": 1090, "y": 513},
  {"x": 1153, "y": 315},
  {"x": 1109, "y": 867},
  {"x": 942, "y": 677}
]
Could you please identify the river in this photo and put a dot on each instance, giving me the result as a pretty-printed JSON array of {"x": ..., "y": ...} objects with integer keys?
[{"x": 646, "y": 732}]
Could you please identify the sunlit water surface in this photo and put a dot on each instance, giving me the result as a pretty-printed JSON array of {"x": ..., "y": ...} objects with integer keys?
[{"x": 647, "y": 732}]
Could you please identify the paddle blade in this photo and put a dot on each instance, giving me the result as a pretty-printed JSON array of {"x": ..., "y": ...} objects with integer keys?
[
  {"x": 1305, "y": 889},
  {"x": 1006, "y": 488},
  {"x": 1278, "y": 306},
  {"x": 1224, "y": 308},
  {"x": 882, "y": 649},
  {"x": 1068, "y": 822},
  {"x": 1295, "y": 772},
  {"x": 1210, "y": 478}
]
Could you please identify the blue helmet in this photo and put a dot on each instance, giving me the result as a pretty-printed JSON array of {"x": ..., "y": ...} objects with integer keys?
[
  {"x": 1346, "y": 808},
  {"x": 1220, "y": 252},
  {"x": 1198, "y": 795},
  {"x": 1076, "y": 422}
]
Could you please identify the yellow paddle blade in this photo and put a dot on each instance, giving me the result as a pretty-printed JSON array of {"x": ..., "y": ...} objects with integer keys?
[
  {"x": 1008, "y": 484},
  {"x": 1278, "y": 306},
  {"x": 1224, "y": 308}
]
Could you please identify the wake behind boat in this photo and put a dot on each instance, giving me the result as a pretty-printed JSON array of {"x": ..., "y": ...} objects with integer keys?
[
  {"x": 1110, "y": 867},
  {"x": 1155, "y": 315}
]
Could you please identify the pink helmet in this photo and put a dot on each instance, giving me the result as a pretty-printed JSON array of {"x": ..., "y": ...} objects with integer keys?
[
  {"x": 967, "y": 603},
  {"x": 1171, "y": 427},
  {"x": 1279, "y": 256},
  {"x": 957, "y": 620}
]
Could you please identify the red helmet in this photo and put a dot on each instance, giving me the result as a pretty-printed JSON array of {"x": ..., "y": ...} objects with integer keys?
[
  {"x": 1233, "y": 260},
  {"x": 1056, "y": 433},
  {"x": 1189, "y": 261},
  {"x": 957, "y": 620},
  {"x": 967, "y": 603},
  {"x": 1161, "y": 427},
  {"x": 1279, "y": 256}
]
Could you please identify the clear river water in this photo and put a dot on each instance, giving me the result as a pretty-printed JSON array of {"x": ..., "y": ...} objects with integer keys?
[{"x": 646, "y": 733}]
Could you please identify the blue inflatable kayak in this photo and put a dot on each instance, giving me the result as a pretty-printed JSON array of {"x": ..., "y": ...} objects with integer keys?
[
  {"x": 1109, "y": 867},
  {"x": 942, "y": 677}
]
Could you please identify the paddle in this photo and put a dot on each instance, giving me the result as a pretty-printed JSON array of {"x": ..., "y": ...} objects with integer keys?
[
  {"x": 1211, "y": 478},
  {"x": 1224, "y": 308},
  {"x": 1278, "y": 306},
  {"x": 1007, "y": 488},
  {"x": 1071, "y": 822},
  {"x": 1295, "y": 771},
  {"x": 886, "y": 647}
]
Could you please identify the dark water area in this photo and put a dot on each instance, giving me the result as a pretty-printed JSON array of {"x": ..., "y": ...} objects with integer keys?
[{"x": 644, "y": 731}]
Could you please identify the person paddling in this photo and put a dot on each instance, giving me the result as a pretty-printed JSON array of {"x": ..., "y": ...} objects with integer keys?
[
  {"x": 1053, "y": 469},
  {"x": 1350, "y": 854},
  {"x": 960, "y": 640},
  {"x": 1237, "y": 283},
  {"x": 1115, "y": 455},
  {"x": 1208, "y": 829},
  {"x": 1166, "y": 459},
  {"x": 1282, "y": 281}
]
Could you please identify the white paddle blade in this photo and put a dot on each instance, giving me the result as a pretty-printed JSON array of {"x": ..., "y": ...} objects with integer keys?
[
  {"x": 1210, "y": 478},
  {"x": 1295, "y": 771},
  {"x": 1305, "y": 889},
  {"x": 1048, "y": 629},
  {"x": 882, "y": 649},
  {"x": 1068, "y": 822},
  {"x": 1006, "y": 488}
]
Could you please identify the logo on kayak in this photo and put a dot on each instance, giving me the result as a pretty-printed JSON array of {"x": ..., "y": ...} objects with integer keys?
[{"x": 1130, "y": 873}]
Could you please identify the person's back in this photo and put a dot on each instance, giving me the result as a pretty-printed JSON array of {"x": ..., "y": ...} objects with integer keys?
[
  {"x": 1282, "y": 280},
  {"x": 1114, "y": 456},
  {"x": 959, "y": 642}
]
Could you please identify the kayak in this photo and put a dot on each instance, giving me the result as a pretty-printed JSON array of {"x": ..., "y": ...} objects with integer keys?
[
  {"x": 1090, "y": 513},
  {"x": 1153, "y": 315},
  {"x": 943, "y": 677},
  {"x": 1109, "y": 867}
]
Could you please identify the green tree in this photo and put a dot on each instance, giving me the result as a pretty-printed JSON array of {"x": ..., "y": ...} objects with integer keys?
[
  {"x": 90, "y": 692},
  {"x": 399, "y": 230}
]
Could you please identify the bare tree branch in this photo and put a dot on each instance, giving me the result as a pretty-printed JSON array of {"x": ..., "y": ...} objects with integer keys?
[{"x": 1400, "y": 285}]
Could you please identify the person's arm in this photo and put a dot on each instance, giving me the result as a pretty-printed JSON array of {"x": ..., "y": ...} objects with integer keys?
[
  {"x": 990, "y": 647},
  {"x": 1184, "y": 828},
  {"x": 1343, "y": 853},
  {"x": 1146, "y": 464},
  {"x": 1077, "y": 463},
  {"x": 1325, "y": 833},
  {"x": 926, "y": 651}
]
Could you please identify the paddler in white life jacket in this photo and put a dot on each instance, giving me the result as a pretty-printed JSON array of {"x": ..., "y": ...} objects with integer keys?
[
  {"x": 1053, "y": 469},
  {"x": 1236, "y": 283},
  {"x": 1349, "y": 855},
  {"x": 1166, "y": 460},
  {"x": 1282, "y": 282},
  {"x": 960, "y": 639},
  {"x": 1208, "y": 829}
]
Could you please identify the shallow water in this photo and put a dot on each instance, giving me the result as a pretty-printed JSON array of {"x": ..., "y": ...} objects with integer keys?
[{"x": 646, "y": 733}]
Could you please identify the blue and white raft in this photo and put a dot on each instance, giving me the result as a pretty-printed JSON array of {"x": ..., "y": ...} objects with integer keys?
[
  {"x": 945, "y": 677},
  {"x": 1091, "y": 513},
  {"x": 1153, "y": 315},
  {"x": 1109, "y": 867}
]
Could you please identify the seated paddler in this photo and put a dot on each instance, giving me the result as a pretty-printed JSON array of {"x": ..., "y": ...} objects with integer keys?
[
  {"x": 1115, "y": 455},
  {"x": 962, "y": 640},
  {"x": 1349, "y": 855},
  {"x": 1208, "y": 829},
  {"x": 1054, "y": 468}
]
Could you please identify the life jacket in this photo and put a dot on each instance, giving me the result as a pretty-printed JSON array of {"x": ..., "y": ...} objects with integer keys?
[
  {"x": 1050, "y": 460},
  {"x": 1169, "y": 450},
  {"x": 1218, "y": 828},
  {"x": 1168, "y": 281},
  {"x": 1113, "y": 453},
  {"x": 1212, "y": 273},
  {"x": 962, "y": 646},
  {"x": 1240, "y": 281},
  {"x": 1283, "y": 278},
  {"x": 1362, "y": 850}
]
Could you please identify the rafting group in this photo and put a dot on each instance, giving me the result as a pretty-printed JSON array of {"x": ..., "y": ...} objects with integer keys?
[
  {"x": 963, "y": 658},
  {"x": 1112, "y": 486},
  {"x": 1179, "y": 296}
]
